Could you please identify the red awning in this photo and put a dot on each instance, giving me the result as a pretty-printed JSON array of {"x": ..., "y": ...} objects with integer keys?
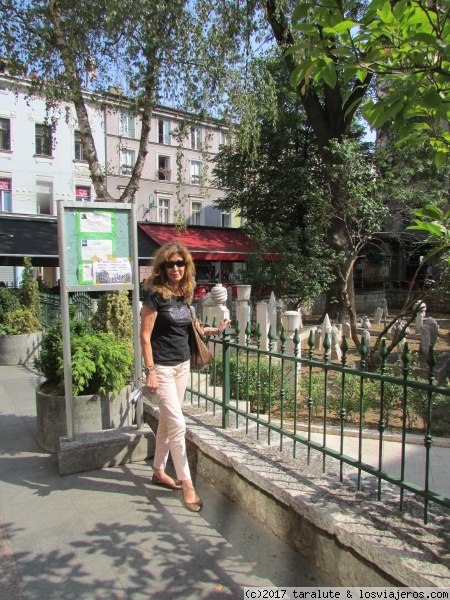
[{"x": 204, "y": 243}]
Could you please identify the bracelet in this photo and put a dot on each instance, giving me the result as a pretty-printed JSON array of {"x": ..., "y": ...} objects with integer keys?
[{"x": 148, "y": 369}]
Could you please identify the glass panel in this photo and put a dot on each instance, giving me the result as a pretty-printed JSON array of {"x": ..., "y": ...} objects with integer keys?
[
  {"x": 5, "y": 136},
  {"x": 196, "y": 138},
  {"x": 79, "y": 150},
  {"x": 164, "y": 171},
  {"x": 163, "y": 210},
  {"x": 127, "y": 162},
  {"x": 127, "y": 125},
  {"x": 164, "y": 132},
  {"x": 226, "y": 219},
  {"x": 43, "y": 140},
  {"x": 196, "y": 213},
  {"x": 196, "y": 172},
  {"x": 44, "y": 197}
]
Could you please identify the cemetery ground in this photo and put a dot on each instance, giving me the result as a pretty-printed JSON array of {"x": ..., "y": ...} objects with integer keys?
[{"x": 415, "y": 422}]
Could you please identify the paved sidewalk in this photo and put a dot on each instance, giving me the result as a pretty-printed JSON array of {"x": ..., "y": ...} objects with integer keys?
[{"x": 110, "y": 534}]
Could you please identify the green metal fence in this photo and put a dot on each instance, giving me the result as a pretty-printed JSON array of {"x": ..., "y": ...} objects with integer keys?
[
  {"x": 51, "y": 306},
  {"x": 287, "y": 394}
]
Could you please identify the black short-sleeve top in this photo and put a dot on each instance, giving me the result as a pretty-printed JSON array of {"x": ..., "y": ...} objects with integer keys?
[{"x": 169, "y": 339}]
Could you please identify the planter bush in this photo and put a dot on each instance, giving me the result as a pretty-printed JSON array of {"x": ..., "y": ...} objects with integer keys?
[
  {"x": 101, "y": 362},
  {"x": 102, "y": 366},
  {"x": 20, "y": 320}
]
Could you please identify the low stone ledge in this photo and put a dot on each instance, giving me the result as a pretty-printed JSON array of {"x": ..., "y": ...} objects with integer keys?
[
  {"x": 348, "y": 534},
  {"x": 108, "y": 448}
]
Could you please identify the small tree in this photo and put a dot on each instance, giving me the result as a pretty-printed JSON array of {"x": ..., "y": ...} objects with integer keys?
[
  {"x": 114, "y": 315},
  {"x": 29, "y": 290}
]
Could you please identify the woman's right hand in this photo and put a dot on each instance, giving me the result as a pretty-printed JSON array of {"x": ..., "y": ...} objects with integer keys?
[{"x": 151, "y": 382}]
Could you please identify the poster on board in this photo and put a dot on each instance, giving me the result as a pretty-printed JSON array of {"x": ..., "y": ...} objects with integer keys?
[{"x": 96, "y": 242}]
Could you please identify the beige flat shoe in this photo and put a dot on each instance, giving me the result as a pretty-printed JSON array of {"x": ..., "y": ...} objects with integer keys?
[
  {"x": 176, "y": 485},
  {"x": 193, "y": 506}
]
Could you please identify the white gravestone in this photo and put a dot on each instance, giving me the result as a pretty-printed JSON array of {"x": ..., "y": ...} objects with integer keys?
[
  {"x": 346, "y": 330},
  {"x": 291, "y": 321},
  {"x": 434, "y": 329},
  {"x": 217, "y": 310},
  {"x": 243, "y": 309},
  {"x": 326, "y": 328},
  {"x": 378, "y": 316},
  {"x": 424, "y": 340},
  {"x": 317, "y": 339},
  {"x": 366, "y": 337},
  {"x": 336, "y": 352},
  {"x": 385, "y": 308},
  {"x": 421, "y": 309},
  {"x": 273, "y": 313},
  {"x": 262, "y": 317}
]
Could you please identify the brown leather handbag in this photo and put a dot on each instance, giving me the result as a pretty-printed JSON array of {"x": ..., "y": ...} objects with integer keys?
[{"x": 201, "y": 357}]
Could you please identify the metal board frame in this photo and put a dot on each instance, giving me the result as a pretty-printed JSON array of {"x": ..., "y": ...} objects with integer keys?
[{"x": 121, "y": 239}]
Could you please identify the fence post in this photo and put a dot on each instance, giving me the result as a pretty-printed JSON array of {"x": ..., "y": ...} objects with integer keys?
[{"x": 226, "y": 378}]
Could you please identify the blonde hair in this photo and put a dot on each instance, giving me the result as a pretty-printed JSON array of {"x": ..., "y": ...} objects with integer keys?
[{"x": 158, "y": 279}]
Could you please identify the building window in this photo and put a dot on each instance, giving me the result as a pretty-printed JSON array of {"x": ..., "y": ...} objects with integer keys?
[
  {"x": 79, "y": 150},
  {"x": 196, "y": 138},
  {"x": 44, "y": 197},
  {"x": 5, "y": 195},
  {"x": 196, "y": 172},
  {"x": 126, "y": 161},
  {"x": 43, "y": 140},
  {"x": 164, "y": 171},
  {"x": 226, "y": 218},
  {"x": 83, "y": 193},
  {"x": 196, "y": 213},
  {"x": 5, "y": 134},
  {"x": 163, "y": 210},
  {"x": 163, "y": 132},
  {"x": 127, "y": 125},
  {"x": 224, "y": 138}
]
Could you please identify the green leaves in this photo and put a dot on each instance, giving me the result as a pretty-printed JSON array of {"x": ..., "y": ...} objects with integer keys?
[
  {"x": 405, "y": 44},
  {"x": 434, "y": 222}
]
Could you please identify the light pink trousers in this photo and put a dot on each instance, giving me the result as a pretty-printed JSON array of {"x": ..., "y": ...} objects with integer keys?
[{"x": 172, "y": 382}]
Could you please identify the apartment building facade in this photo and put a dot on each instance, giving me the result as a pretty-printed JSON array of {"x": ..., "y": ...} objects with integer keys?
[
  {"x": 42, "y": 160},
  {"x": 176, "y": 182}
]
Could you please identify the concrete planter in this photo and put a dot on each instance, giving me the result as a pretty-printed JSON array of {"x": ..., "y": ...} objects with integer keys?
[
  {"x": 91, "y": 413},
  {"x": 19, "y": 349}
]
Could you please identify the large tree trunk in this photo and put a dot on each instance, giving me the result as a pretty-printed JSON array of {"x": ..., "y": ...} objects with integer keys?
[
  {"x": 330, "y": 118},
  {"x": 340, "y": 299}
]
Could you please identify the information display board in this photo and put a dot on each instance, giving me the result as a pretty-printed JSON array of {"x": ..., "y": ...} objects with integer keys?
[
  {"x": 98, "y": 251},
  {"x": 97, "y": 239}
]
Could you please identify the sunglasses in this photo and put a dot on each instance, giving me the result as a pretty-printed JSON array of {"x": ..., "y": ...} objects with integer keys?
[{"x": 170, "y": 264}]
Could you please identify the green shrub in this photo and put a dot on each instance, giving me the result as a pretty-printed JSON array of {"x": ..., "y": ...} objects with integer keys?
[
  {"x": 101, "y": 363},
  {"x": 19, "y": 321},
  {"x": 317, "y": 391},
  {"x": 352, "y": 393},
  {"x": 248, "y": 380},
  {"x": 8, "y": 302}
]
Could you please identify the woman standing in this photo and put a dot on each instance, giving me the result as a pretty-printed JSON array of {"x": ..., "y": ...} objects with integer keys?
[{"x": 165, "y": 323}]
